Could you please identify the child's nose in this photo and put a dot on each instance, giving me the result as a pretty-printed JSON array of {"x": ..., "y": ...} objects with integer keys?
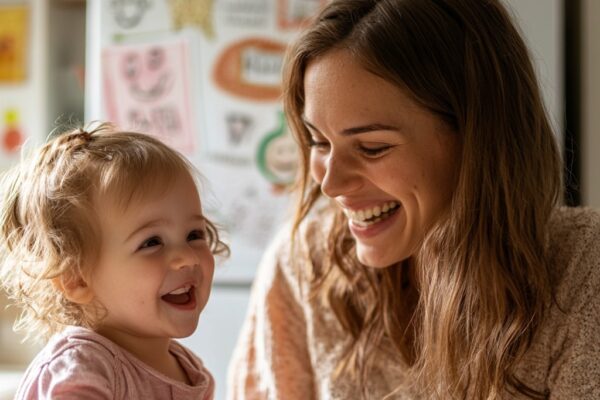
[{"x": 183, "y": 256}]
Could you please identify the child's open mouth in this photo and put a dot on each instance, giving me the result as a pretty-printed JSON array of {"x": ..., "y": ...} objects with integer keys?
[{"x": 182, "y": 297}]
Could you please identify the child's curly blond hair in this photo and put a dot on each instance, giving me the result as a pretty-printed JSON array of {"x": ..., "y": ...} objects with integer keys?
[{"x": 49, "y": 232}]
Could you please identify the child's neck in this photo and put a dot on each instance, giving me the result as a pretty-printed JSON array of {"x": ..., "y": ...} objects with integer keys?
[{"x": 152, "y": 351}]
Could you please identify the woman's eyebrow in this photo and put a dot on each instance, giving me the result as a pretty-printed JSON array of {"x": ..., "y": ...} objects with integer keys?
[{"x": 358, "y": 129}]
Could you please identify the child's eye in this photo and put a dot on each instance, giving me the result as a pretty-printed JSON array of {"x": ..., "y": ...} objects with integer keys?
[
  {"x": 153, "y": 241},
  {"x": 197, "y": 234}
]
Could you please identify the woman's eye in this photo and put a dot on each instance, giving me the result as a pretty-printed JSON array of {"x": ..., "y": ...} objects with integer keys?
[
  {"x": 153, "y": 241},
  {"x": 312, "y": 142},
  {"x": 197, "y": 234},
  {"x": 374, "y": 151}
]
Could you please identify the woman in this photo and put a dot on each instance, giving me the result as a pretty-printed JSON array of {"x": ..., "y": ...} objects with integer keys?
[{"x": 429, "y": 257}]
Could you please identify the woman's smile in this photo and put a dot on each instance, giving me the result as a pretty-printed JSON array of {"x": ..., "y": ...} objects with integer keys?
[{"x": 375, "y": 225}]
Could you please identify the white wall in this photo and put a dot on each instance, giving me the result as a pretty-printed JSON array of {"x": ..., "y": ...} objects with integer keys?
[
  {"x": 541, "y": 22},
  {"x": 590, "y": 82}
]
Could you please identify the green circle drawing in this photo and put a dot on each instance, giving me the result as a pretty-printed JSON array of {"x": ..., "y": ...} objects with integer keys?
[{"x": 277, "y": 156}]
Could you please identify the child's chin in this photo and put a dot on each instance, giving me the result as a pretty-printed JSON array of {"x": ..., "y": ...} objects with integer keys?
[{"x": 190, "y": 328}]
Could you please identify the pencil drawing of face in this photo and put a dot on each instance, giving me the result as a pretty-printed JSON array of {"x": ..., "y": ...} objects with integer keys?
[
  {"x": 238, "y": 127},
  {"x": 147, "y": 73}
]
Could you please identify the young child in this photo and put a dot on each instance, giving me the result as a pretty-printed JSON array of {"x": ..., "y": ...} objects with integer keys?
[{"x": 105, "y": 246}]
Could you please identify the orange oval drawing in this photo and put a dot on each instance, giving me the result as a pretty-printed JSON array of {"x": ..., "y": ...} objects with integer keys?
[{"x": 251, "y": 68}]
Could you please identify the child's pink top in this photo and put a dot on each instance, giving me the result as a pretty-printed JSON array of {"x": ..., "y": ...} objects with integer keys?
[{"x": 81, "y": 364}]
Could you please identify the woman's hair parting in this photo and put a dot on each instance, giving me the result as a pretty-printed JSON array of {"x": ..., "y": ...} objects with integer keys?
[
  {"x": 49, "y": 227},
  {"x": 482, "y": 270}
]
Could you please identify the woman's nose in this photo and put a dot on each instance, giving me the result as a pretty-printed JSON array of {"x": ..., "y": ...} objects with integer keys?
[{"x": 341, "y": 176}]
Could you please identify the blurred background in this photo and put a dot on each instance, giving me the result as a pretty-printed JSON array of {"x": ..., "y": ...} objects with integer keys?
[{"x": 204, "y": 75}]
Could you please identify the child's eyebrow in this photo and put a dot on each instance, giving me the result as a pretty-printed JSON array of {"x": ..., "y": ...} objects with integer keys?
[
  {"x": 147, "y": 225},
  {"x": 161, "y": 221}
]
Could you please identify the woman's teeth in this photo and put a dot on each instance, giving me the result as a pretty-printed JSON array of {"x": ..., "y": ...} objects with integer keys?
[{"x": 369, "y": 216}]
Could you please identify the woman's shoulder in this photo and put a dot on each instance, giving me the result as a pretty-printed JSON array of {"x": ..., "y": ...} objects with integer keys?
[
  {"x": 575, "y": 223},
  {"x": 574, "y": 254},
  {"x": 564, "y": 355}
]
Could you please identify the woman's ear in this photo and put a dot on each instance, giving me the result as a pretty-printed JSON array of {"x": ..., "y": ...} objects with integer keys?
[{"x": 74, "y": 288}]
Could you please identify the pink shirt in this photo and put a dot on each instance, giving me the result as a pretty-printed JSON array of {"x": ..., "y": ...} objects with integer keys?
[{"x": 81, "y": 364}]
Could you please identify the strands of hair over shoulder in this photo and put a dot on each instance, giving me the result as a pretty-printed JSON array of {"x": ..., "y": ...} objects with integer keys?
[
  {"x": 481, "y": 272},
  {"x": 49, "y": 236}
]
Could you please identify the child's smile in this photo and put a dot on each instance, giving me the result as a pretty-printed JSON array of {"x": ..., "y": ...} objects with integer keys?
[{"x": 183, "y": 297}]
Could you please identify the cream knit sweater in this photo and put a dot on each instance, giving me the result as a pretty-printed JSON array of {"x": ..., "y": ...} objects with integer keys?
[{"x": 290, "y": 345}]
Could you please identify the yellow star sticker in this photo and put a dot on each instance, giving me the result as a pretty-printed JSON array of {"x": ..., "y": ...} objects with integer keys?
[{"x": 197, "y": 13}]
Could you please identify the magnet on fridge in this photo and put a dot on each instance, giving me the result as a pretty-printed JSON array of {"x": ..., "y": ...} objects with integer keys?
[{"x": 12, "y": 135}]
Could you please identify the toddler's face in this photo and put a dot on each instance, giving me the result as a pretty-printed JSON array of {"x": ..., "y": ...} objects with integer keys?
[{"x": 155, "y": 267}]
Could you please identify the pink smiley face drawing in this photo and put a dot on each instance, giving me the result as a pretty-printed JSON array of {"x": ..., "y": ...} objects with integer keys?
[{"x": 147, "y": 73}]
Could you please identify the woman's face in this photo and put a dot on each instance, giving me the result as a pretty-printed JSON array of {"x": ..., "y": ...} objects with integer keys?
[{"x": 386, "y": 161}]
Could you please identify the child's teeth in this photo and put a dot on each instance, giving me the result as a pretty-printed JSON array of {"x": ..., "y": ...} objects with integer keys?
[{"x": 180, "y": 290}]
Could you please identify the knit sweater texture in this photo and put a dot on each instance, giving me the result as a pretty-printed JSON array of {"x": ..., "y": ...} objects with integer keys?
[{"x": 290, "y": 343}]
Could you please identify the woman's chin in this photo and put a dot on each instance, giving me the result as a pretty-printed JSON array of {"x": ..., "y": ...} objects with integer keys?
[{"x": 375, "y": 259}]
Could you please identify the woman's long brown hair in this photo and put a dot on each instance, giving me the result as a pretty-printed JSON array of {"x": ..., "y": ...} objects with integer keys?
[{"x": 481, "y": 273}]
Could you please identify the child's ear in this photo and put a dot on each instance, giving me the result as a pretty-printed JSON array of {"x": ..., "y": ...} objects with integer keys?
[{"x": 74, "y": 288}]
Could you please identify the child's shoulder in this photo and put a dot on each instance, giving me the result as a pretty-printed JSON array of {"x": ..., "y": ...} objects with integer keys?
[
  {"x": 79, "y": 348},
  {"x": 82, "y": 344},
  {"x": 76, "y": 359}
]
